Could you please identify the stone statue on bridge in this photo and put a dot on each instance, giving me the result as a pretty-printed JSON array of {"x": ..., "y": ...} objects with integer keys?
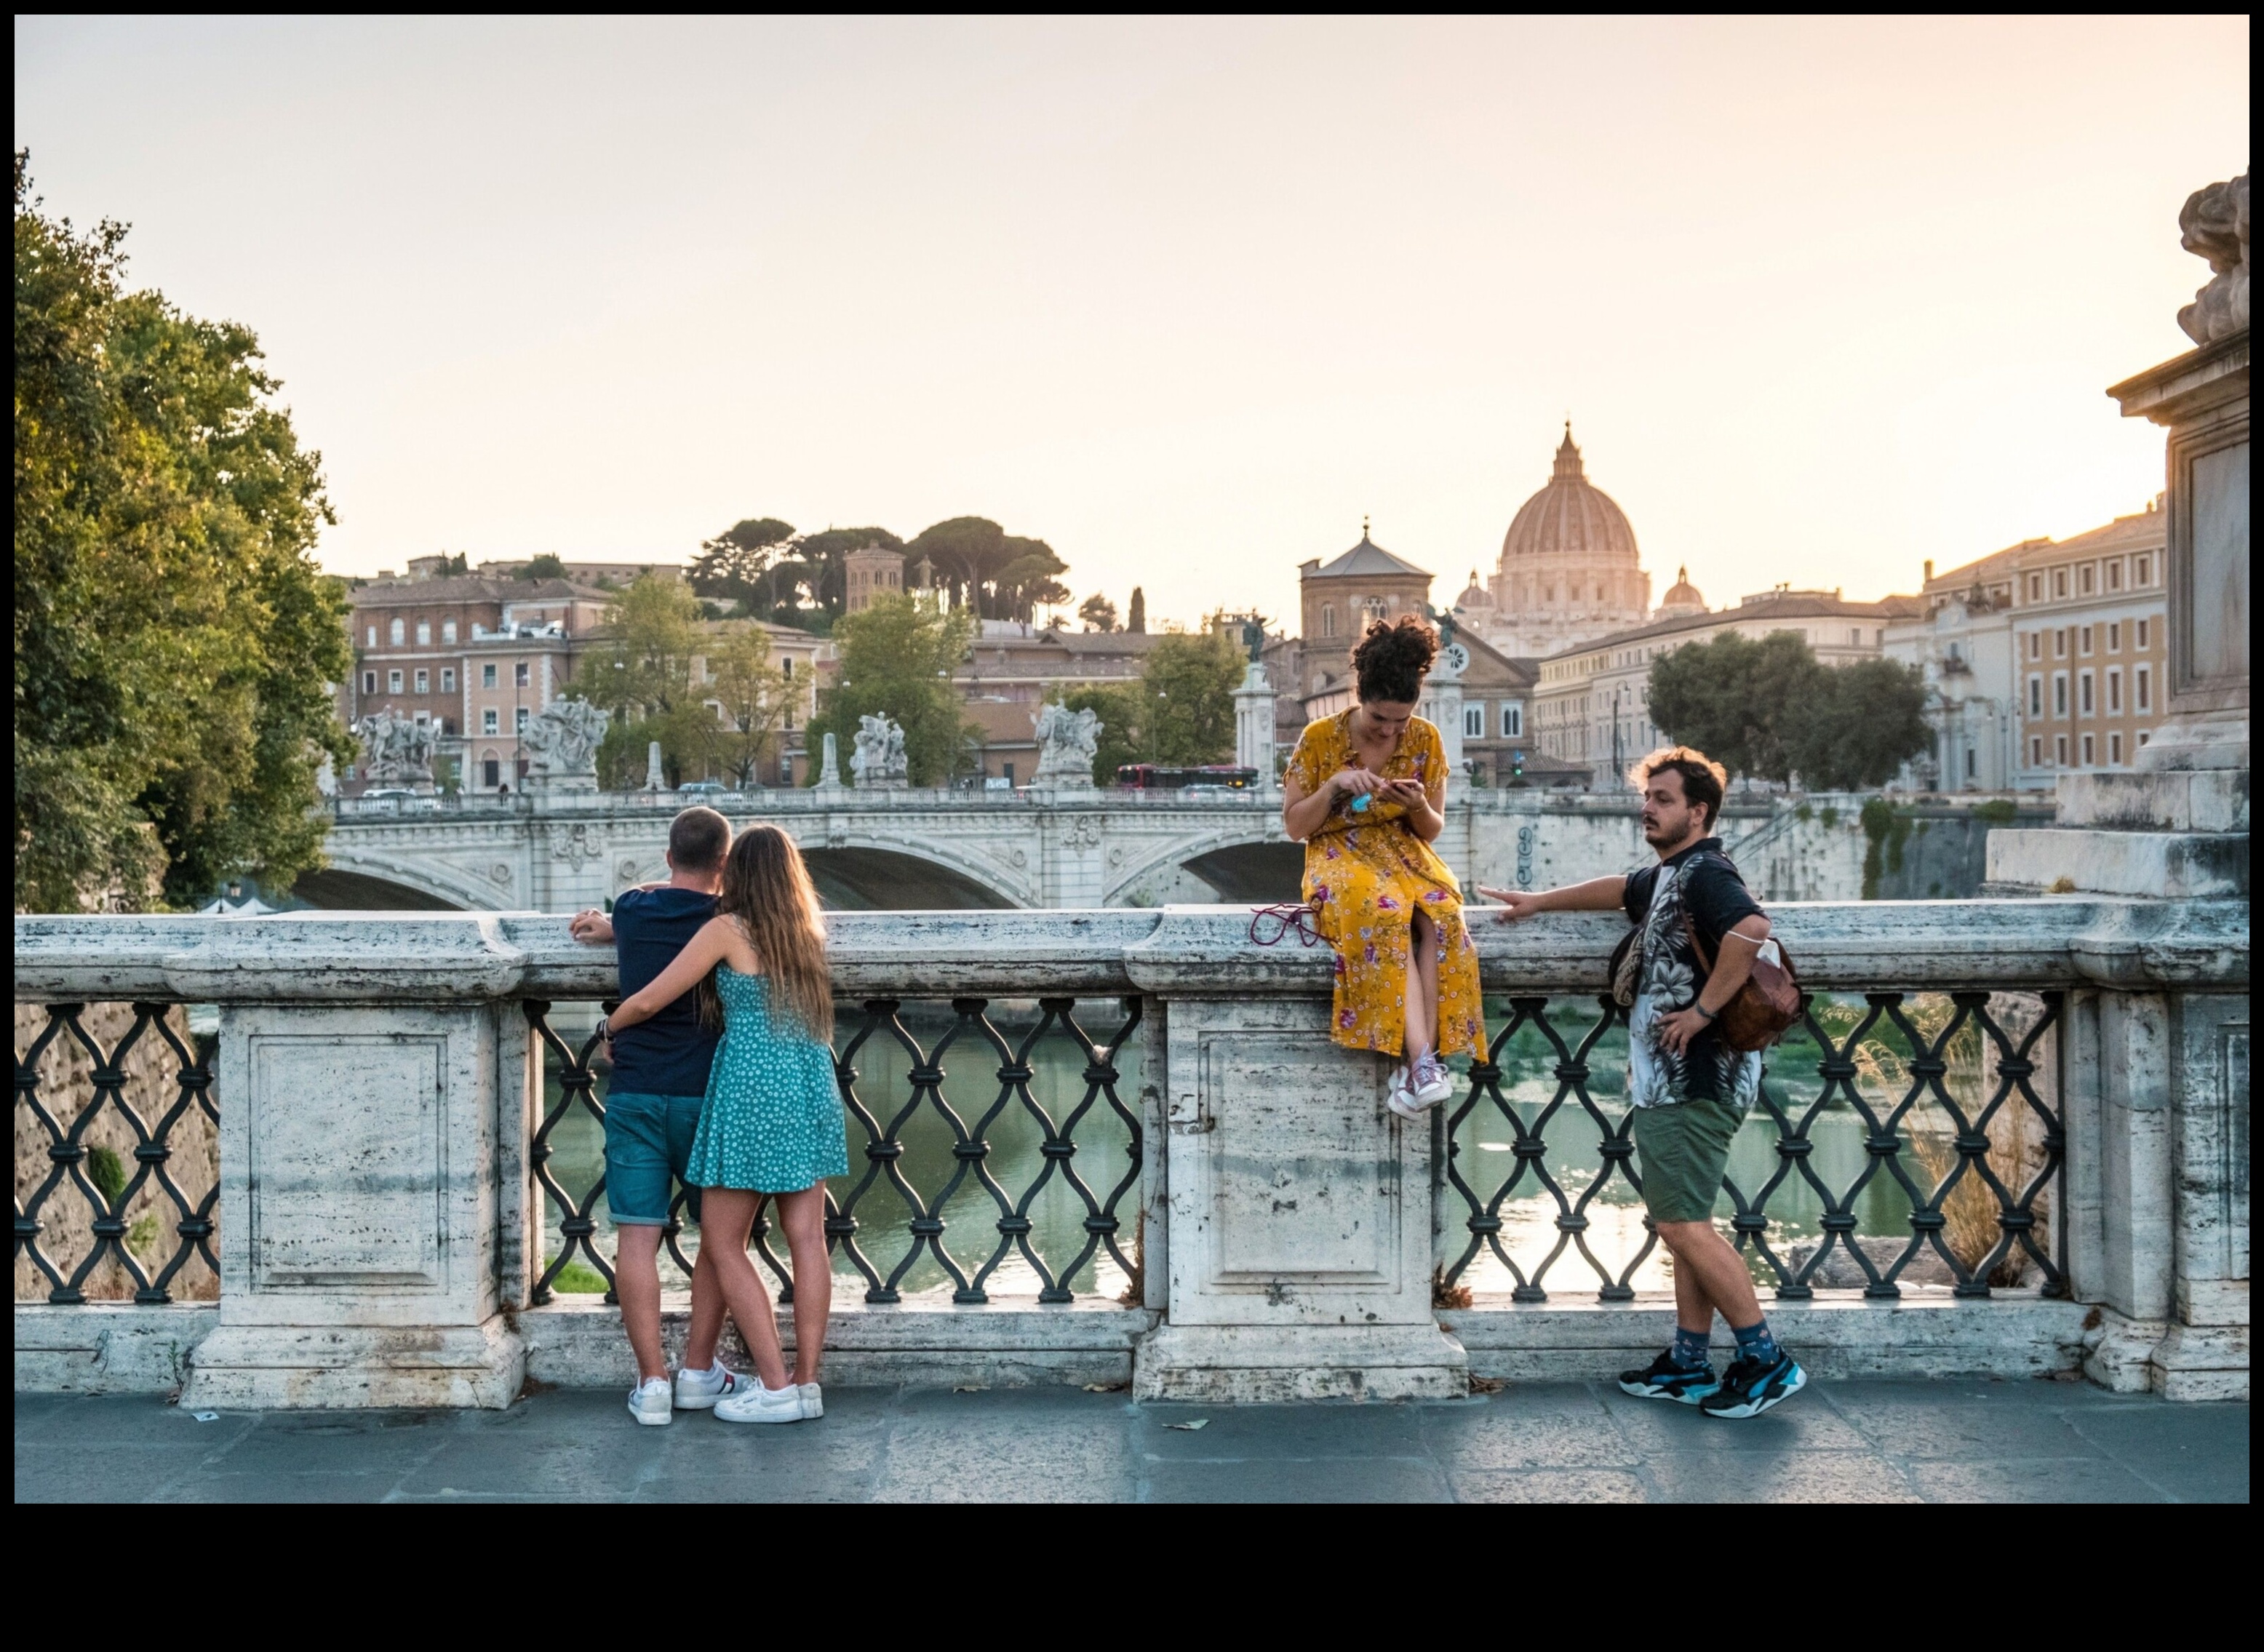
[
  {"x": 2214, "y": 225},
  {"x": 1067, "y": 741},
  {"x": 399, "y": 749},
  {"x": 880, "y": 761},
  {"x": 564, "y": 738}
]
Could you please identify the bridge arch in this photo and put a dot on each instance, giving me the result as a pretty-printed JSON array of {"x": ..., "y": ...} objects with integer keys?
[
  {"x": 357, "y": 879},
  {"x": 858, "y": 871},
  {"x": 1242, "y": 863}
]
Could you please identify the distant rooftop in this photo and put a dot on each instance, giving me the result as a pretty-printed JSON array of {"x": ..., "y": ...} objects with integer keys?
[{"x": 1366, "y": 559}]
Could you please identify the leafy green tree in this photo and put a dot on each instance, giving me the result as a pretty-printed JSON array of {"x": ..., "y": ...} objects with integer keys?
[
  {"x": 1098, "y": 613},
  {"x": 174, "y": 642},
  {"x": 645, "y": 676},
  {"x": 1863, "y": 724},
  {"x": 897, "y": 660},
  {"x": 1135, "y": 616},
  {"x": 1188, "y": 687},
  {"x": 1738, "y": 700},
  {"x": 546, "y": 566},
  {"x": 980, "y": 565},
  {"x": 736, "y": 565},
  {"x": 752, "y": 696}
]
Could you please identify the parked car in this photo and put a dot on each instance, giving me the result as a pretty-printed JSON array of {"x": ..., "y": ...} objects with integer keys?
[{"x": 703, "y": 788}]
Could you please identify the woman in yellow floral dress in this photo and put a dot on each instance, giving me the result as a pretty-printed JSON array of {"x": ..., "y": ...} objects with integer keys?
[{"x": 1364, "y": 791}]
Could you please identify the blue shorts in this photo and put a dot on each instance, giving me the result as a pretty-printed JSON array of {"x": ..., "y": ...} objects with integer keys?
[{"x": 648, "y": 1145}]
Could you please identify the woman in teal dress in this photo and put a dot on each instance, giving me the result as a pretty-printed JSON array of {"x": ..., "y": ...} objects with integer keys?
[{"x": 771, "y": 1125}]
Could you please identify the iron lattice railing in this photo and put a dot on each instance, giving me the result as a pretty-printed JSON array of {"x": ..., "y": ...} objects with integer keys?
[
  {"x": 71, "y": 1156},
  {"x": 1883, "y": 1041},
  {"x": 1008, "y": 1060}
]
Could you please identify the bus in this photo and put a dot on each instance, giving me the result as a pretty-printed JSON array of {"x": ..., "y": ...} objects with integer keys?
[{"x": 1162, "y": 776}]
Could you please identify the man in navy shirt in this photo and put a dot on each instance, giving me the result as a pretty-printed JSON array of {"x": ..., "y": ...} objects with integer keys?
[{"x": 652, "y": 1111}]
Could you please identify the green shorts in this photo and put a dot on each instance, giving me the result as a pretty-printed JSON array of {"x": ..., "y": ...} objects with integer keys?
[{"x": 1681, "y": 1152}]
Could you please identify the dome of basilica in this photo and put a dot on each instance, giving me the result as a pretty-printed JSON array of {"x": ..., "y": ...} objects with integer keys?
[{"x": 1569, "y": 517}]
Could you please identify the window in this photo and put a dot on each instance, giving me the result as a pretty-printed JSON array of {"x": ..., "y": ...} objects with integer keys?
[
  {"x": 2115, "y": 575},
  {"x": 2115, "y": 638},
  {"x": 2059, "y": 644},
  {"x": 1855, "y": 636},
  {"x": 2083, "y": 692},
  {"x": 2145, "y": 688},
  {"x": 2143, "y": 736},
  {"x": 2036, "y": 645},
  {"x": 369, "y": 682},
  {"x": 2083, "y": 640},
  {"x": 490, "y": 771},
  {"x": 424, "y": 634},
  {"x": 1512, "y": 722},
  {"x": 447, "y": 680},
  {"x": 2090, "y": 751},
  {"x": 2059, "y": 694},
  {"x": 2083, "y": 578},
  {"x": 372, "y": 636},
  {"x": 487, "y": 677},
  {"x": 423, "y": 684},
  {"x": 1474, "y": 722},
  {"x": 488, "y": 721},
  {"x": 2114, "y": 748},
  {"x": 447, "y": 631},
  {"x": 519, "y": 674},
  {"x": 2060, "y": 582},
  {"x": 2060, "y": 750},
  {"x": 2115, "y": 688},
  {"x": 1972, "y": 763},
  {"x": 2035, "y": 696},
  {"x": 396, "y": 633},
  {"x": 2145, "y": 575},
  {"x": 518, "y": 722},
  {"x": 2035, "y": 588},
  {"x": 2141, "y": 638},
  {"x": 2036, "y": 751},
  {"x": 786, "y": 669},
  {"x": 1328, "y": 619},
  {"x": 393, "y": 682}
]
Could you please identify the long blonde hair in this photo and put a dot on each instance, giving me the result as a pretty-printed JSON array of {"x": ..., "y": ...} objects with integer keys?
[{"x": 767, "y": 893}]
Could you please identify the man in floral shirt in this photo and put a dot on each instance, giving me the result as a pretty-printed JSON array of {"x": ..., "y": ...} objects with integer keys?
[{"x": 1689, "y": 1090}]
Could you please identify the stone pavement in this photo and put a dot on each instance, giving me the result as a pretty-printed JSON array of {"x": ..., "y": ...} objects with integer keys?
[{"x": 1857, "y": 1441}]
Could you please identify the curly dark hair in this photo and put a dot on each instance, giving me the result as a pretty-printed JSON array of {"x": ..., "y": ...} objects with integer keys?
[{"x": 1392, "y": 658}]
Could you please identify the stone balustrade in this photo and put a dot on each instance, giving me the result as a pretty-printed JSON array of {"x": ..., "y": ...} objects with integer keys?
[{"x": 381, "y": 1084}]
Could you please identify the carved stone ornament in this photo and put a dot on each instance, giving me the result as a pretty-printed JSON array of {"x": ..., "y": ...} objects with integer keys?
[
  {"x": 396, "y": 748},
  {"x": 1067, "y": 741},
  {"x": 1083, "y": 832},
  {"x": 564, "y": 738},
  {"x": 576, "y": 846},
  {"x": 2214, "y": 225},
  {"x": 880, "y": 758},
  {"x": 500, "y": 873}
]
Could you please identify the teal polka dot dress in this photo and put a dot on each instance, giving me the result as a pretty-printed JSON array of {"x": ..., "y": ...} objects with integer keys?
[{"x": 772, "y": 1121}]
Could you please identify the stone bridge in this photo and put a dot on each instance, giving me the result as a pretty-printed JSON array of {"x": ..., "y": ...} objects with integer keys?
[{"x": 933, "y": 850}]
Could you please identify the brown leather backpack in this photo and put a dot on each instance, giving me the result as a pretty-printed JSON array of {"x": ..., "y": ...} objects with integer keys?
[{"x": 1763, "y": 1007}]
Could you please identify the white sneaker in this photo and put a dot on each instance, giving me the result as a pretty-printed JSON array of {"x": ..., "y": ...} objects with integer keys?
[
  {"x": 700, "y": 1390},
  {"x": 813, "y": 1402},
  {"x": 1397, "y": 1097},
  {"x": 755, "y": 1403},
  {"x": 649, "y": 1403},
  {"x": 1430, "y": 1083}
]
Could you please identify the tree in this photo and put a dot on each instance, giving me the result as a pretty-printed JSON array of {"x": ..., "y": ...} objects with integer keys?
[
  {"x": 1098, "y": 613},
  {"x": 981, "y": 566},
  {"x": 645, "y": 678},
  {"x": 1866, "y": 720},
  {"x": 821, "y": 568},
  {"x": 736, "y": 566},
  {"x": 897, "y": 660},
  {"x": 754, "y": 698},
  {"x": 543, "y": 567},
  {"x": 1135, "y": 616},
  {"x": 1122, "y": 710},
  {"x": 1737, "y": 700},
  {"x": 1188, "y": 687},
  {"x": 174, "y": 642}
]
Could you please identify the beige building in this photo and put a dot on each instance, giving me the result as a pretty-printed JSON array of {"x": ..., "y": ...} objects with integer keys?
[
  {"x": 1011, "y": 670},
  {"x": 2087, "y": 617},
  {"x": 872, "y": 571},
  {"x": 1593, "y": 704},
  {"x": 1568, "y": 573}
]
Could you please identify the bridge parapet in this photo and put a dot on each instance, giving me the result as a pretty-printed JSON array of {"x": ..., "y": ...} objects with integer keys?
[{"x": 2010, "y": 1136}]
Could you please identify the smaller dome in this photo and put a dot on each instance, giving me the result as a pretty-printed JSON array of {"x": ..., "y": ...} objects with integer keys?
[
  {"x": 1682, "y": 598},
  {"x": 1473, "y": 595}
]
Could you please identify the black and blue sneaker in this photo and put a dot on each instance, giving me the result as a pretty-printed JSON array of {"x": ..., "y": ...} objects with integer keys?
[
  {"x": 1664, "y": 1379},
  {"x": 1752, "y": 1385}
]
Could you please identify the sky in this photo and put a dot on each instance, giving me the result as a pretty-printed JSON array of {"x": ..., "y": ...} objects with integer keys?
[{"x": 1186, "y": 299}]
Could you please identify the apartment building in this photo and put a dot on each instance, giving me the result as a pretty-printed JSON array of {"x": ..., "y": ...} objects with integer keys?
[
  {"x": 1592, "y": 703},
  {"x": 1962, "y": 641},
  {"x": 2089, "y": 653}
]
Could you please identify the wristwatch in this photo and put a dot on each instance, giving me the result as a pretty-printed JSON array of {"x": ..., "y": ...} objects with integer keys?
[{"x": 1710, "y": 1015}]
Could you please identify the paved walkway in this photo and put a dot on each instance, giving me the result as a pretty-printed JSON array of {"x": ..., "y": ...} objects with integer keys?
[{"x": 1942, "y": 1442}]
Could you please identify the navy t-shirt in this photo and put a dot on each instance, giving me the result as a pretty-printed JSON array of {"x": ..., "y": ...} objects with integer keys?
[{"x": 669, "y": 1054}]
